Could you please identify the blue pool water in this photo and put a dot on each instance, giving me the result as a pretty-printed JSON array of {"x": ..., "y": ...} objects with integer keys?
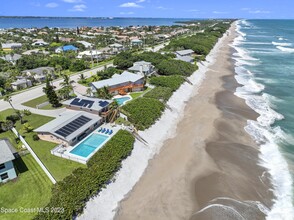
[
  {"x": 122, "y": 100},
  {"x": 85, "y": 148}
]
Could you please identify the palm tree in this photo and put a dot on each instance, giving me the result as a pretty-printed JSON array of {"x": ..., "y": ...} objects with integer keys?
[
  {"x": 58, "y": 68},
  {"x": 8, "y": 99},
  {"x": 89, "y": 91},
  {"x": 103, "y": 93},
  {"x": 66, "y": 87}
]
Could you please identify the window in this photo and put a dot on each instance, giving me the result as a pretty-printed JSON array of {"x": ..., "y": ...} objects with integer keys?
[
  {"x": 4, "y": 176},
  {"x": 2, "y": 166}
]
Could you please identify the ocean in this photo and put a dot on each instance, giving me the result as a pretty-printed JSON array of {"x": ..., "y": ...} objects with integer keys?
[
  {"x": 62, "y": 22},
  {"x": 265, "y": 68}
]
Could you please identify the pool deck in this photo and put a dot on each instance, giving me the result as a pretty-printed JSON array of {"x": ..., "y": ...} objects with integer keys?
[
  {"x": 123, "y": 96},
  {"x": 65, "y": 151}
]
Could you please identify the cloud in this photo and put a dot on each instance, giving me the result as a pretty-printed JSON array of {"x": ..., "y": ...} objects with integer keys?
[
  {"x": 73, "y": 1},
  {"x": 80, "y": 8},
  {"x": 163, "y": 8},
  {"x": 130, "y": 5},
  {"x": 245, "y": 9},
  {"x": 51, "y": 5},
  {"x": 140, "y": 1},
  {"x": 220, "y": 12},
  {"x": 127, "y": 13},
  {"x": 192, "y": 10},
  {"x": 259, "y": 12}
]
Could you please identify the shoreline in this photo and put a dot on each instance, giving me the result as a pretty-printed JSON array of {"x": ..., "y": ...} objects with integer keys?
[{"x": 197, "y": 178}]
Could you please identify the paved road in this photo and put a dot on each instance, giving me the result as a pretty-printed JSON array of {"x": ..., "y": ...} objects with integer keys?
[{"x": 37, "y": 91}]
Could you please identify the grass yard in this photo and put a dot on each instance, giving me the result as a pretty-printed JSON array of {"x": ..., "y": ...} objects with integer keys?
[
  {"x": 135, "y": 95},
  {"x": 58, "y": 167},
  {"x": 31, "y": 189},
  {"x": 37, "y": 101}
]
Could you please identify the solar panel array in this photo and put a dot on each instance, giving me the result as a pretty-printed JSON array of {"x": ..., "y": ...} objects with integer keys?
[
  {"x": 82, "y": 103},
  {"x": 71, "y": 127},
  {"x": 103, "y": 103}
]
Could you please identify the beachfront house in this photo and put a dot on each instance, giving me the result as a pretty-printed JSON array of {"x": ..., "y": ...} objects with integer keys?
[
  {"x": 66, "y": 48},
  {"x": 69, "y": 128},
  {"x": 185, "y": 55},
  {"x": 143, "y": 68},
  {"x": 39, "y": 74},
  {"x": 92, "y": 105},
  {"x": 10, "y": 46},
  {"x": 7, "y": 155},
  {"x": 121, "y": 84},
  {"x": 21, "y": 83},
  {"x": 184, "y": 52}
]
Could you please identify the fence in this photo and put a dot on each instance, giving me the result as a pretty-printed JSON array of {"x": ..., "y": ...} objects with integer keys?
[{"x": 34, "y": 156}]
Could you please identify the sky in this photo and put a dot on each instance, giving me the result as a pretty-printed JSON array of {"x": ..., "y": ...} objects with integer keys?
[{"x": 150, "y": 8}]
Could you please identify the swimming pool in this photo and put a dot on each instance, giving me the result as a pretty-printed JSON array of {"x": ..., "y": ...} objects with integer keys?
[
  {"x": 122, "y": 100},
  {"x": 89, "y": 145}
]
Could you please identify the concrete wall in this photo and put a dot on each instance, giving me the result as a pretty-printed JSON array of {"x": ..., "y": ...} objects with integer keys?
[{"x": 9, "y": 169}]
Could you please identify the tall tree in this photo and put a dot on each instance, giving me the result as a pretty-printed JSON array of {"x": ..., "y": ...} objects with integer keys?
[
  {"x": 50, "y": 93},
  {"x": 8, "y": 99}
]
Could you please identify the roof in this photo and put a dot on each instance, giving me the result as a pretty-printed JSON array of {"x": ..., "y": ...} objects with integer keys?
[
  {"x": 88, "y": 103},
  {"x": 85, "y": 43},
  {"x": 10, "y": 58},
  {"x": 90, "y": 52},
  {"x": 184, "y": 52},
  {"x": 20, "y": 82},
  {"x": 185, "y": 58},
  {"x": 139, "y": 63},
  {"x": 69, "y": 47},
  {"x": 136, "y": 41},
  {"x": 116, "y": 45},
  {"x": 11, "y": 45},
  {"x": 118, "y": 79},
  {"x": 6, "y": 151},
  {"x": 29, "y": 52},
  {"x": 65, "y": 121},
  {"x": 39, "y": 70}
]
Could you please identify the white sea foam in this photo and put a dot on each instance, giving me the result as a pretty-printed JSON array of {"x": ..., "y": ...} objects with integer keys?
[
  {"x": 286, "y": 49},
  {"x": 104, "y": 205},
  {"x": 269, "y": 138},
  {"x": 281, "y": 44}
]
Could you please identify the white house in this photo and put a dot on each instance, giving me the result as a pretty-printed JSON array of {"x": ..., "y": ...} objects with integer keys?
[
  {"x": 88, "y": 53},
  {"x": 40, "y": 73},
  {"x": 142, "y": 67},
  {"x": 85, "y": 43},
  {"x": 21, "y": 83},
  {"x": 184, "y": 52}
]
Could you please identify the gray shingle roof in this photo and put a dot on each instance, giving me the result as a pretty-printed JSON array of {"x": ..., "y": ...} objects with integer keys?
[
  {"x": 6, "y": 151},
  {"x": 64, "y": 119}
]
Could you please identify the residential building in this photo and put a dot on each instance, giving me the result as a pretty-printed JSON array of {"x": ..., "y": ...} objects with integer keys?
[
  {"x": 66, "y": 48},
  {"x": 12, "y": 58},
  {"x": 7, "y": 155},
  {"x": 92, "y": 105},
  {"x": 35, "y": 51},
  {"x": 136, "y": 42},
  {"x": 21, "y": 83},
  {"x": 10, "y": 46},
  {"x": 188, "y": 59},
  {"x": 184, "y": 52},
  {"x": 40, "y": 43},
  {"x": 143, "y": 68},
  {"x": 121, "y": 84},
  {"x": 85, "y": 43},
  {"x": 40, "y": 73},
  {"x": 96, "y": 54},
  {"x": 116, "y": 48},
  {"x": 69, "y": 128}
]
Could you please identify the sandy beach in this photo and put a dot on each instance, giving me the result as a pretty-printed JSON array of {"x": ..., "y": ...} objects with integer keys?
[{"x": 209, "y": 169}]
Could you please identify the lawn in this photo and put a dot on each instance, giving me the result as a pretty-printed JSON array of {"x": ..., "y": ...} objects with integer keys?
[
  {"x": 31, "y": 189},
  {"x": 135, "y": 95},
  {"x": 37, "y": 101},
  {"x": 58, "y": 167}
]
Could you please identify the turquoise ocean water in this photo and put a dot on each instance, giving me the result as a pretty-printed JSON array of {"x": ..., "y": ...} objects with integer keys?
[
  {"x": 265, "y": 69},
  {"x": 29, "y": 22}
]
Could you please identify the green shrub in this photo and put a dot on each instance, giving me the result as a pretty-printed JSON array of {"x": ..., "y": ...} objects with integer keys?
[
  {"x": 75, "y": 190},
  {"x": 173, "y": 82},
  {"x": 175, "y": 67},
  {"x": 143, "y": 112},
  {"x": 160, "y": 93},
  {"x": 36, "y": 137}
]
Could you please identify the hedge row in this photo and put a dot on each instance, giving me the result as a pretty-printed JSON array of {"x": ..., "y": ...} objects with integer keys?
[
  {"x": 143, "y": 112},
  {"x": 173, "y": 82},
  {"x": 160, "y": 93},
  {"x": 74, "y": 191}
]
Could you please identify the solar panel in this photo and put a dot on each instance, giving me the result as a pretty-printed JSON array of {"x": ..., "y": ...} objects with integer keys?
[
  {"x": 71, "y": 127},
  {"x": 103, "y": 103},
  {"x": 82, "y": 103}
]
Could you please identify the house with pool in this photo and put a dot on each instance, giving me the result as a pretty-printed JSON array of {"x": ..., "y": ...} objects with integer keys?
[{"x": 121, "y": 83}]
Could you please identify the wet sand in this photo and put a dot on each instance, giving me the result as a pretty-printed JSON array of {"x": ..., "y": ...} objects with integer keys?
[{"x": 209, "y": 169}]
